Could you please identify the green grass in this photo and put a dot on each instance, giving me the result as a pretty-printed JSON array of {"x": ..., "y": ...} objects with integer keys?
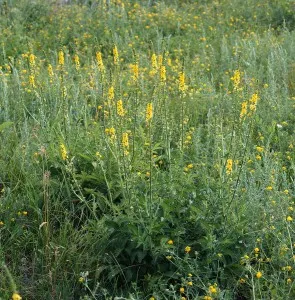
[{"x": 102, "y": 199}]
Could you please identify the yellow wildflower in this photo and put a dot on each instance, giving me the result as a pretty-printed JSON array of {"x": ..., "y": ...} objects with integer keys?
[
  {"x": 135, "y": 71},
  {"x": 236, "y": 79},
  {"x": 229, "y": 166},
  {"x": 50, "y": 70},
  {"x": 99, "y": 61},
  {"x": 149, "y": 112},
  {"x": 243, "y": 112},
  {"x": 170, "y": 242},
  {"x": 120, "y": 108},
  {"x": 181, "y": 290},
  {"x": 187, "y": 249},
  {"x": 16, "y": 296},
  {"x": 259, "y": 149},
  {"x": 258, "y": 274},
  {"x": 32, "y": 61},
  {"x": 163, "y": 74},
  {"x": 63, "y": 152},
  {"x": 111, "y": 94},
  {"x": 116, "y": 55},
  {"x": 125, "y": 143},
  {"x": 77, "y": 61},
  {"x": 182, "y": 86},
  {"x": 32, "y": 81},
  {"x": 253, "y": 102},
  {"x": 61, "y": 58}
]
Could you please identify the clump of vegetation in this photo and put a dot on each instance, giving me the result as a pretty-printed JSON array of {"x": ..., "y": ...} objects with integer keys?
[{"x": 147, "y": 150}]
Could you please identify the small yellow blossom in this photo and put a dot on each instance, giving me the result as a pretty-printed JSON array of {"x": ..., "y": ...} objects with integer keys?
[
  {"x": 242, "y": 280},
  {"x": 170, "y": 242},
  {"x": 289, "y": 219},
  {"x": 212, "y": 289},
  {"x": 259, "y": 149},
  {"x": 187, "y": 249},
  {"x": 16, "y": 296},
  {"x": 256, "y": 250},
  {"x": 181, "y": 290},
  {"x": 258, "y": 274}
]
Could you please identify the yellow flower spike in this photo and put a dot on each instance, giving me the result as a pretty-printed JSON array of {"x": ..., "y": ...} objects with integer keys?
[
  {"x": 99, "y": 61},
  {"x": 125, "y": 143},
  {"x": 229, "y": 166},
  {"x": 116, "y": 55},
  {"x": 163, "y": 74},
  {"x": 50, "y": 71},
  {"x": 243, "y": 112},
  {"x": 236, "y": 78},
  {"x": 182, "y": 86},
  {"x": 63, "y": 152},
  {"x": 77, "y": 61},
  {"x": 111, "y": 93},
  {"x": 32, "y": 62},
  {"x": 149, "y": 112},
  {"x": 135, "y": 72},
  {"x": 32, "y": 81},
  {"x": 120, "y": 108},
  {"x": 253, "y": 102},
  {"x": 61, "y": 58}
]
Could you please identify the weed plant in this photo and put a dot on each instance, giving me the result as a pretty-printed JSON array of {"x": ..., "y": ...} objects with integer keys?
[{"x": 147, "y": 149}]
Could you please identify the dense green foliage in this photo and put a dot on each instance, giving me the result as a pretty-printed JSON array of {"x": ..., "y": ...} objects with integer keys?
[{"x": 147, "y": 149}]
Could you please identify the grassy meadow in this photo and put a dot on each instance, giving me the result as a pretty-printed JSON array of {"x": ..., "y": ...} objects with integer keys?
[{"x": 147, "y": 150}]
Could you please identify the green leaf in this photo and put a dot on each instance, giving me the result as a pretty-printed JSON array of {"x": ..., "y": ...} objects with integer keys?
[{"x": 5, "y": 125}]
